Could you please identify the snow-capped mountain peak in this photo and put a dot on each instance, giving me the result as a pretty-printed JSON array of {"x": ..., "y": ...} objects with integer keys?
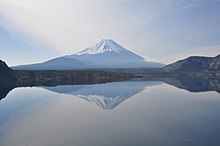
[
  {"x": 105, "y": 54},
  {"x": 105, "y": 45}
]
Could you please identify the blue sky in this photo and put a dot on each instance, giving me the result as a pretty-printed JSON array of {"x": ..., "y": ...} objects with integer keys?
[{"x": 34, "y": 31}]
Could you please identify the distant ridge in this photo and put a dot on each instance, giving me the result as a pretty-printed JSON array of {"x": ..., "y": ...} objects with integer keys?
[
  {"x": 195, "y": 64},
  {"x": 105, "y": 54}
]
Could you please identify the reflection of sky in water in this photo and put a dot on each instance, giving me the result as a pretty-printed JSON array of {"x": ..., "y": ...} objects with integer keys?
[
  {"x": 160, "y": 115},
  {"x": 22, "y": 100}
]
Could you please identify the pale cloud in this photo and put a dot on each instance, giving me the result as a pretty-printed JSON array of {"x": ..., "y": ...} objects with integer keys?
[
  {"x": 68, "y": 26},
  {"x": 65, "y": 25}
]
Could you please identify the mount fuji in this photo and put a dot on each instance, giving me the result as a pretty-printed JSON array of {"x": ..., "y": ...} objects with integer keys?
[{"x": 105, "y": 54}]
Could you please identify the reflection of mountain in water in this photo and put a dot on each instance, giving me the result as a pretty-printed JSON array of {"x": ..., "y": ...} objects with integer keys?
[
  {"x": 195, "y": 84},
  {"x": 108, "y": 95}
]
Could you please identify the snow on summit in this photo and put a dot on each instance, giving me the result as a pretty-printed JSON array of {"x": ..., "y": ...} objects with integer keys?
[{"x": 105, "y": 45}]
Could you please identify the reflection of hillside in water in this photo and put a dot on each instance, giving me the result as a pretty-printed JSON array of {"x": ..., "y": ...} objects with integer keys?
[
  {"x": 5, "y": 89},
  {"x": 6, "y": 85},
  {"x": 195, "y": 84},
  {"x": 108, "y": 95}
]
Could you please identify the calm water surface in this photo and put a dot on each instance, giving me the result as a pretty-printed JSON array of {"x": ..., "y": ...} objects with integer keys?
[{"x": 129, "y": 113}]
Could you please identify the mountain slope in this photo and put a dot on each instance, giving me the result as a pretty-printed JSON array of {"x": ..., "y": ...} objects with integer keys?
[
  {"x": 105, "y": 54},
  {"x": 7, "y": 79},
  {"x": 4, "y": 67},
  {"x": 60, "y": 63},
  {"x": 195, "y": 64},
  {"x": 5, "y": 72}
]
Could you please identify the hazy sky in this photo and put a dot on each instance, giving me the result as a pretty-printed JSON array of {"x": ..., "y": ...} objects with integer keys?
[{"x": 164, "y": 31}]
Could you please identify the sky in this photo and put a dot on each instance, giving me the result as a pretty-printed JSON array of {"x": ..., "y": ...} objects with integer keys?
[{"x": 34, "y": 31}]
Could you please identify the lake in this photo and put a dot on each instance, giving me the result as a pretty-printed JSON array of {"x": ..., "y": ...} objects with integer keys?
[{"x": 154, "y": 112}]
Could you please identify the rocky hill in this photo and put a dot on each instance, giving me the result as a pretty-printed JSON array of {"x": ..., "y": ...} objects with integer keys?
[
  {"x": 195, "y": 64},
  {"x": 7, "y": 79},
  {"x": 6, "y": 73},
  {"x": 3, "y": 67}
]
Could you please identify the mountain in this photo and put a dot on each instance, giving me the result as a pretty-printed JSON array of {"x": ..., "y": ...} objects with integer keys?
[
  {"x": 105, "y": 54},
  {"x": 106, "y": 96},
  {"x": 195, "y": 64}
]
